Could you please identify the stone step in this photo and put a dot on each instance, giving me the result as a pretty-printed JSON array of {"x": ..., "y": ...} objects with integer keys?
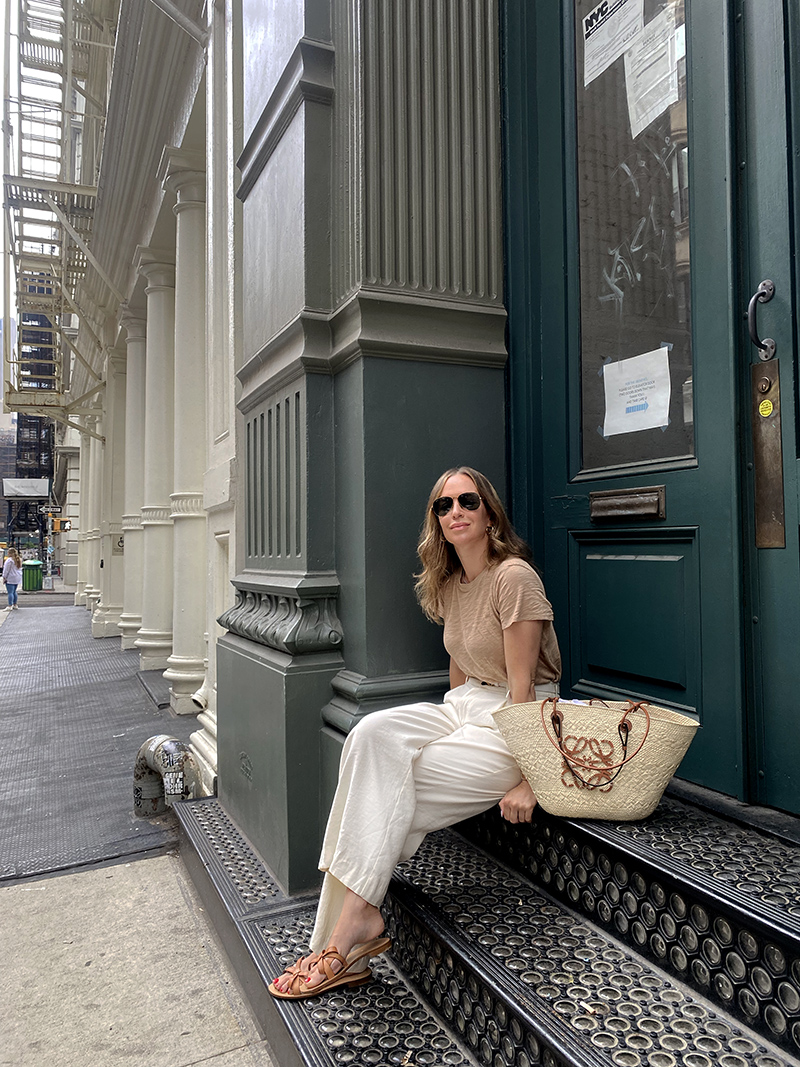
[
  {"x": 524, "y": 980},
  {"x": 714, "y": 903},
  {"x": 384, "y": 1022}
]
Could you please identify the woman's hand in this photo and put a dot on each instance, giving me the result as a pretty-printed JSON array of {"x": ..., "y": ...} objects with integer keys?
[{"x": 518, "y": 803}]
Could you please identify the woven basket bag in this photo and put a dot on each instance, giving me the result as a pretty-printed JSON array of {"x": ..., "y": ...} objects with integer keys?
[{"x": 599, "y": 760}]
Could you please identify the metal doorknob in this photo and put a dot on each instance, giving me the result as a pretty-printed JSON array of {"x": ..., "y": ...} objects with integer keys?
[{"x": 762, "y": 295}]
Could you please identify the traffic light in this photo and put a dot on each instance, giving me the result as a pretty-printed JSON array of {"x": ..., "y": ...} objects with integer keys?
[{"x": 62, "y": 525}]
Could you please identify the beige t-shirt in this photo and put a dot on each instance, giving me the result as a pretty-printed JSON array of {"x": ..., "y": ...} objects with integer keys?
[{"x": 475, "y": 615}]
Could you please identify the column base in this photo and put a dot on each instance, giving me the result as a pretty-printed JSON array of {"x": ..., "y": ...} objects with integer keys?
[
  {"x": 154, "y": 647},
  {"x": 185, "y": 675},
  {"x": 129, "y": 626},
  {"x": 181, "y": 703},
  {"x": 105, "y": 622},
  {"x": 264, "y": 693},
  {"x": 80, "y": 595},
  {"x": 204, "y": 748}
]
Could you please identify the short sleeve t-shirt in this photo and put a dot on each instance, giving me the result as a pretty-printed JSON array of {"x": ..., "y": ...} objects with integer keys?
[{"x": 476, "y": 613}]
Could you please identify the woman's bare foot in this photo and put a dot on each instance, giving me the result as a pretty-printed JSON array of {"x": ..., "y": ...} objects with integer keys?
[
  {"x": 303, "y": 967},
  {"x": 358, "y": 923}
]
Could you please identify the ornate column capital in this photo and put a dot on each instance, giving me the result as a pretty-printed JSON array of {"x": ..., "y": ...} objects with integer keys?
[
  {"x": 134, "y": 323},
  {"x": 157, "y": 265},
  {"x": 116, "y": 361},
  {"x": 91, "y": 429},
  {"x": 183, "y": 173}
]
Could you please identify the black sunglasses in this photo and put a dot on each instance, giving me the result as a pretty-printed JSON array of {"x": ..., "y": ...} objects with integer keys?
[{"x": 443, "y": 504}]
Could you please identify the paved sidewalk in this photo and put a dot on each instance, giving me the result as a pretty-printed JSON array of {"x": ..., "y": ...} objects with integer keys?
[
  {"x": 108, "y": 958},
  {"x": 73, "y": 714}
]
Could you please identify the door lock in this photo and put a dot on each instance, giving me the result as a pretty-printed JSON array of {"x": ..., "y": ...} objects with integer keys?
[{"x": 765, "y": 415}]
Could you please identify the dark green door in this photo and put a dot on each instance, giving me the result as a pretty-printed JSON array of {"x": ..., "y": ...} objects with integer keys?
[{"x": 648, "y": 148}]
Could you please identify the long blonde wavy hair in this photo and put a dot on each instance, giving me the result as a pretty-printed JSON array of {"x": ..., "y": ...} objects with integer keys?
[{"x": 438, "y": 557}]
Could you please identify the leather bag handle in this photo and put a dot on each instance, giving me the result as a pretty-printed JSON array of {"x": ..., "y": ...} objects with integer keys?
[{"x": 623, "y": 729}]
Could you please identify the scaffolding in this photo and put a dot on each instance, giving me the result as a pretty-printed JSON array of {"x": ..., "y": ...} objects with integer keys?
[{"x": 56, "y": 87}]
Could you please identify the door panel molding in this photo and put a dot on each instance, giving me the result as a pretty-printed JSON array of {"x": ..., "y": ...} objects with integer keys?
[{"x": 638, "y": 620}]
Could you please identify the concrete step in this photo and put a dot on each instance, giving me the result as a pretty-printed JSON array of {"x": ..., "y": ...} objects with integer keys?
[{"x": 714, "y": 903}]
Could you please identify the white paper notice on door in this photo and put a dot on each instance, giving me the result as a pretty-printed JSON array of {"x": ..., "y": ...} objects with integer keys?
[
  {"x": 608, "y": 31},
  {"x": 637, "y": 393},
  {"x": 651, "y": 71}
]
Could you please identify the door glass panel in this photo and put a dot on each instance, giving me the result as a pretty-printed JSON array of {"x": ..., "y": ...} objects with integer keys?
[{"x": 633, "y": 195}]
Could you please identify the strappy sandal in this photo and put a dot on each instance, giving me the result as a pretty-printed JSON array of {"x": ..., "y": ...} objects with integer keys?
[
  {"x": 345, "y": 976},
  {"x": 301, "y": 969}
]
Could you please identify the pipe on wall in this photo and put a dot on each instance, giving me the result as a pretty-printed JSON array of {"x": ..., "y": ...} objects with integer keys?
[
  {"x": 165, "y": 771},
  {"x": 200, "y": 698}
]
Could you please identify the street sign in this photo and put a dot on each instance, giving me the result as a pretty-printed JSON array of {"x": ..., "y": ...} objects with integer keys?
[{"x": 45, "y": 509}]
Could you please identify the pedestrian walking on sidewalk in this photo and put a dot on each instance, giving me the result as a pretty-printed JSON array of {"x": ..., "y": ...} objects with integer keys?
[
  {"x": 410, "y": 770},
  {"x": 12, "y": 576}
]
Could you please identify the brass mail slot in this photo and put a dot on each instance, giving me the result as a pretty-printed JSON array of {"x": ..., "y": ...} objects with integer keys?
[{"x": 647, "y": 502}]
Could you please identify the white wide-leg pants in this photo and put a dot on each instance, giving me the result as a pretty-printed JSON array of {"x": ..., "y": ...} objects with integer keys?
[{"x": 405, "y": 772}]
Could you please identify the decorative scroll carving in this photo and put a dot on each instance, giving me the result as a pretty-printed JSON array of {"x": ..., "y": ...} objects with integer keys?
[
  {"x": 132, "y": 522},
  {"x": 287, "y": 623}
]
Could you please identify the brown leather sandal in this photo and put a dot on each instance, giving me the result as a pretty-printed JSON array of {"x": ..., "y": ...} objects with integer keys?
[
  {"x": 303, "y": 967},
  {"x": 345, "y": 976}
]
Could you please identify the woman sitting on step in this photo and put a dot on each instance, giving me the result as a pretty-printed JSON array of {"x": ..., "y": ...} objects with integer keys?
[{"x": 410, "y": 770}]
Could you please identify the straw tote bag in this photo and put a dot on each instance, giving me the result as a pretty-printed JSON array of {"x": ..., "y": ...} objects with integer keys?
[{"x": 598, "y": 760}]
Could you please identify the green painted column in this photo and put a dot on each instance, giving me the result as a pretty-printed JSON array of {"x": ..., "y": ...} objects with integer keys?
[{"x": 373, "y": 331}]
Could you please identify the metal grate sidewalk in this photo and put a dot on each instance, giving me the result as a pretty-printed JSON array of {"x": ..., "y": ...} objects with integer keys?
[{"x": 72, "y": 717}]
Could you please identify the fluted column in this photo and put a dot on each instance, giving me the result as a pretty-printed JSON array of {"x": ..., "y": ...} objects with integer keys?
[
  {"x": 83, "y": 520},
  {"x": 154, "y": 639},
  {"x": 92, "y": 590},
  {"x": 131, "y": 619},
  {"x": 106, "y": 616},
  {"x": 69, "y": 451},
  {"x": 184, "y": 173}
]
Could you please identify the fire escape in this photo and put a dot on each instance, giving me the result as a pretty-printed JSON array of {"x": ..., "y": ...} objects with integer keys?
[{"x": 53, "y": 132}]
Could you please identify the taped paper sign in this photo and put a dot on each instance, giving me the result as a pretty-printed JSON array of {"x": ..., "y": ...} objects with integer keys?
[
  {"x": 637, "y": 393},
  {"x": 608, "y": 31},
  {"x": 651, "y": 71}
]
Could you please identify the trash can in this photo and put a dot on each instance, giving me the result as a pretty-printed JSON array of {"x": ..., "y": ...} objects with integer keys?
[{"x": 31, "y": 575}]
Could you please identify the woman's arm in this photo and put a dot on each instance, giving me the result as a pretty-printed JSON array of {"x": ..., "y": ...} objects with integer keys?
[
  {"x": 521, "y": 642},
  {"x": 457, "y": 676}
]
